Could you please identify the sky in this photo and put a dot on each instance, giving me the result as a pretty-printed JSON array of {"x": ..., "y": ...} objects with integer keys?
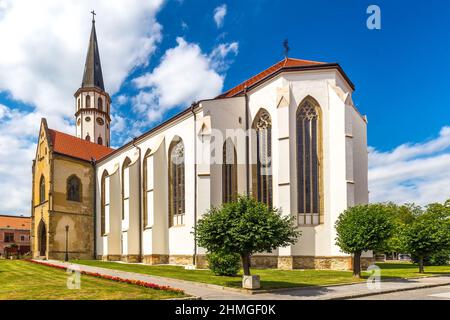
[{"x": 160, "y": 55}]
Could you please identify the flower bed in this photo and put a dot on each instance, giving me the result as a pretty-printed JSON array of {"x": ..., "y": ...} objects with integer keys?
[{"x": 113, "y": 278}]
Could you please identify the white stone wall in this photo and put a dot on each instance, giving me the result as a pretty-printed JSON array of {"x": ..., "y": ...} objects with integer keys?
[{"x": 344, "y": 165}]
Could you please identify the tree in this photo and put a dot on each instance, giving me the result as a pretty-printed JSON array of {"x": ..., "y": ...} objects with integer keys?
[
  {"x": 362, "y": 228},
  {"x": 429, "y": 234},
  {"x": 245, "y": 226},
  {"x": 402, "y": 216}
]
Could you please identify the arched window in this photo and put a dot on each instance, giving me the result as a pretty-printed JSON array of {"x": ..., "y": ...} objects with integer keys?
[
  {"x": 74, "y": 188},
  {"x": 78, "y": 107},
  {"x": 262, "y": 170},
  {"x": 176, "y": 183},
  {"x": 88, "y": 101},
  {"x": 100, "y": 140},
  {"x": 148, "y": 186},
  {"x": 105, "y": 203},
  {"x": 126, "y": 188},
  {"x": 100, "y": 104},
  {"x": 42, "y": 189},
  {"x": 308, "y": 162},
  {"x": 229, "y": 172},
  {"x": 88, "y": 137}
]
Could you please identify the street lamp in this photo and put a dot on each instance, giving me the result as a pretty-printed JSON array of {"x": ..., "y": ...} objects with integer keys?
[{"x": 67, "y": 244}]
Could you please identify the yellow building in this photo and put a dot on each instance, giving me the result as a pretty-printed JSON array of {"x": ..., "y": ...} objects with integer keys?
[{"x": 63, "y": 192}]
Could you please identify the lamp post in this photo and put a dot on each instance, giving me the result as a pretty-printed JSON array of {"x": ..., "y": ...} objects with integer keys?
[{"x": 67, "y": 244}]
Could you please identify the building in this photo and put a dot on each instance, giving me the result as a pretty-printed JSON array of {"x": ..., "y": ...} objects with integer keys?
[
  {"x": 290, "y": 136},
  {"x": 14, "y": 234}
]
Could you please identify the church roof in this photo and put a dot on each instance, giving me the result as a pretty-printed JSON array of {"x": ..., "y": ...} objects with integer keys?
[
  {"x": 285, "y": 64},
  {"x": 78, "y": 148},
  {"x": 15, "y": 222},
  {"x": 92, "y": 76}
]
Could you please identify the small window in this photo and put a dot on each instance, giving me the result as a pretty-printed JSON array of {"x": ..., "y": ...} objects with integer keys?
[
  {"x": 78, "y": 107},
  {"x": 22, "y": 238},
  {"x": 88, "y": 119},
  {"x": 88, "y": 101},
  {"x": 74, "y": 189},
  {"x": 42, "y": 189},
  {"x": 100, "y": 121},
  {"x": 9, "y": 237},
  {"x": 100, "y": 140},
  {"x": 100, "y": 104},
  {"x": 88, "y": 138}
]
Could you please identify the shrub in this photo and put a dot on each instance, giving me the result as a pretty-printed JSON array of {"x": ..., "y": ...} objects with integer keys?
[
  {"x": 224, "y": 264},
  {"x": 436, "y": 259}
]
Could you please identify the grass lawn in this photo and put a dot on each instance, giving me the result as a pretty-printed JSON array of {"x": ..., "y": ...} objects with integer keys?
[
  {"x": 21, "y": 280},
  {"x": 270, "y": 278}
]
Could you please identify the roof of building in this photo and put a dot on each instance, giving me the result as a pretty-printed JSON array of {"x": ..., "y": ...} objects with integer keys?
[
  {"x": 78, "y": 148},
  {"x": 92, "y": 76},
  {"x": 285, "y": 64},
  {"x": 15, "y": 222}
]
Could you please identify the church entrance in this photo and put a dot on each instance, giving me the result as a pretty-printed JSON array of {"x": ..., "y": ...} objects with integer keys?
[{"x": 42, "y": 239}]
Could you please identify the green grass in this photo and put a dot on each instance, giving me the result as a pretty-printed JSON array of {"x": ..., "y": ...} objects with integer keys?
[
  {"x": 270, "y": 278},
  {"x": 21, "y": 280}
]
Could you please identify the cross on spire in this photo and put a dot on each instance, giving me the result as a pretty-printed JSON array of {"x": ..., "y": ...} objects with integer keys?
[
  {"x": 93, "y": 16},
  {"x": 286, "y": 48}
]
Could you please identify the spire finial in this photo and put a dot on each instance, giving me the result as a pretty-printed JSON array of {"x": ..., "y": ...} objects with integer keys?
[
  {"x": 286, "y": 48},
  {"x": 93, "y": 16}
]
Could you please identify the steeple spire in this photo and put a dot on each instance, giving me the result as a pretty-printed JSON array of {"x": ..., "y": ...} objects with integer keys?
[{"x": 93, "y": 76}]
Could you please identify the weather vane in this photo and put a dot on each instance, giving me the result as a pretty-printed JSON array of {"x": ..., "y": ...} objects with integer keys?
[
  {"x": 286, "y": 47},
  {"x": 93, "y": 15}
]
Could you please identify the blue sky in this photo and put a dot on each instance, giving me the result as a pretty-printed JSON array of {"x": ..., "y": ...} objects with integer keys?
[{"x": 401, "y": 73}]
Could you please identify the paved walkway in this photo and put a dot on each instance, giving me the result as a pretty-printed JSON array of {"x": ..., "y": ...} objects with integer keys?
[{"x": 213, "y": 292}]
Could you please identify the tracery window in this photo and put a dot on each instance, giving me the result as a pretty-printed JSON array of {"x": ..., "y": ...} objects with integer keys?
[
  {"x": 308, "y": 163},
  {"x": 42, "y": 189},
  {"x": 104, "y": 203},
  {"x": 262, "y": 172},
  {"x": 176, "y": 183}
]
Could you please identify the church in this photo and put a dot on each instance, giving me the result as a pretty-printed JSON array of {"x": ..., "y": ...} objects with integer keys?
[{"x": 289, "y": 136}]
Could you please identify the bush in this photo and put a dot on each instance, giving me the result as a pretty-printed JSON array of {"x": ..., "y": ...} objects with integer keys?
[
  {"x": 437, "y": 259},
  {"x": 224, "y": 264}
]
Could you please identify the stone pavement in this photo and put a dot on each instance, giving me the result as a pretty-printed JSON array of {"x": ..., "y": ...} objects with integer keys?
[{"x": 214, "y": 292}]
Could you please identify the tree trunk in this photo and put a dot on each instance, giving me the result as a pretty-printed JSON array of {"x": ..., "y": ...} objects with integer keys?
[
  {"x": 421, "y": 269},
  {"x": 357, "y": 265},
  {"x": 246, "y": 264}
]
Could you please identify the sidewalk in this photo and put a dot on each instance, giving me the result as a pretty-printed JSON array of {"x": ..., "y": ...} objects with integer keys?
[{"x": 214, "y": 292}]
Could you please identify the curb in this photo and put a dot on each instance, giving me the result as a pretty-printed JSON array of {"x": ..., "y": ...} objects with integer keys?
[{"x": 369, "y": 294}]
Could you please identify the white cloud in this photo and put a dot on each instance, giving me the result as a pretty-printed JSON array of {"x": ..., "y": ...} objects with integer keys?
[
  {"x": 418, "y": 173},
  {"x": 184, "y": 75},
  {"x": 43, "y": 47},
  {"x": 219, "y": 15}
]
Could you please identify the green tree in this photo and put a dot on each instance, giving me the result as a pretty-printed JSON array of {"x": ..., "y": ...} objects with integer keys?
[
  {"x": 362, "y": 228},
  {"x": 402, "y": 216},
  {"x": 245, "y": 226},
  {"x": 429, "y": 234}
]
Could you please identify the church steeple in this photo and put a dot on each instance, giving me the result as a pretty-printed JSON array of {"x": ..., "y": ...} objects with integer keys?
[
  {"x": 92, "y": 76},
  {"x": 92, "y": 101}
]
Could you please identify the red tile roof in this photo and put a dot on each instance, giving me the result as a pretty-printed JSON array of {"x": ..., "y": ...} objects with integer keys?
[
  {"x": 12, "y": 222},
  {"x": 285, "y": 63},
  {"x": 78, "y": 148}
]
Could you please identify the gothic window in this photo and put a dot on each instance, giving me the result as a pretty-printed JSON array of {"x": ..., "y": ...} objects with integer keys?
[
  {"x": 42, "y": 189},
  {"x": 308, "y": 162},
  {"x": 100, "y": 140},
  {"x": 262, "y": 170},
  {"x": 104, "y": 202},
  {"x": 176, "y": 183},
  {"x": 229, "y": 172},
  {"x": 126, "y": 188},
  {"x": 88, "y": 101},
  {"x": 148, "y": 186},
  {"x": 74, "y": 188},
  {"x": 100, "y": 104}
]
